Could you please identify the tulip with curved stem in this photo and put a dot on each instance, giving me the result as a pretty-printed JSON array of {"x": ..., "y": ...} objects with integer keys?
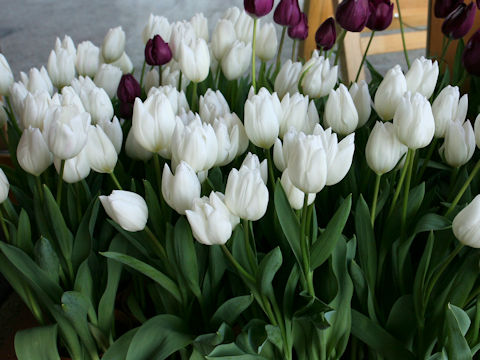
[
  {"x": 405, "y": 52},
  {"x": 364, "y": 55},
  {"x": 464, "y": 188}
]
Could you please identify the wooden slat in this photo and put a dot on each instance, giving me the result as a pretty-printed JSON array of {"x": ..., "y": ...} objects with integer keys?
[
  {"x": 351, "y": 57},
  {"x": 317, "y": 11},
  {"x": 393, "y": 42}
]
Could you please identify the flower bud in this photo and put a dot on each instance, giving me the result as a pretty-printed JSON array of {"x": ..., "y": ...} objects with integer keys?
[
  {"x": 33, "y": 154},
  {"x": 157, "y": 51},
  {"x": 446, "y": 108},
  {"x": 227, "y": 140},
  {"x": 177, "y": 99},
  {"x": 443, "y": 8},
  {"x": 244, "y": 27},
  {"x": 223, "y": 38},
  {"x": 98, "y": 104},
  {"x": 66, "y": 44},
  {"x": 266, "y": 44},
  {"x": 35, "y": 110},
  {"x": 471, "y": 54},
  {"x": 195, "y": 60},
  {"x": 4, "y": 186},
  {"x": 37, "y": 80},
  {"x": 128, "y": 89},
  {"x": 200, "y": 26},
  {"x": 287, "y": 78},
  {"x": 465, "y": 225},
  {"x": 422, "y": 77},
  {"x": 460, "y": 21},
  {"x": 183, "y": 33},
  {"x": 113, "y": 130},
  {"x": 127, "y": 209},
  {"x": 87, "y": 60},
  {"x": 326, "y": 34},
  {"x": 101, "y": 153},
  {"x": 319, "y": 78},
  {"x": 258, "y": 8},
  {"x": 61, "y": 68},
  {"x": 459, "y": 144},
  {"x": 295, "y": 196},
  {"x": 381, "y": 14},
  {"x": 383, "y": 150},
  {"x": 113, "y": 44},
  {"x": 352, "y": 15},
  {"x": 108, "y": 77},
  {"x": 362, "y": 100},
  {"x": 18, "y": 93},
  {"x": 76, "y": 169},
  {"x": 340, "y": 112},
  {"x": 252, "y": 162},
  {"x": 299, "y": 31},
  {"x": 237, "y": 60},
  {"x": 124, "y": 63},
  {"x": 287, "y": 13},
  {"x": 294, "y": 113},
  {"x": 6, "y": 76},
  {"x": 156, "y": 25},
  {"x": 390, "y": 93},
  {"x": 181, "y": 189},
  {"x": 212, "y": 105}
]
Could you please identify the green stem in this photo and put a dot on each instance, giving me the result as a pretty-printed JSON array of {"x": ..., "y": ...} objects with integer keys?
[
  {"x": 239, "y": 267},
  {"x": 60, "y": 182},
  {"x": 405, "y": 52},
  {"x": 431, "y": 149},
  {"x": 143, "y": 73},
  {"x": 115, "y": 180},
  {"x": 12, "y": 114},
  {"x": 179, "y": 86},
  {"x": 271, "y": 175},
  {"x": 294, "y": 45},
  {"x": 340, "y": 39},
  {"x": 399, "y": 185},
  {"x": 364, "y": 56},
  {"x": 217, "y": 76},
  {"x": 246, "y": 237},
  {"x": 158, "y": 173},
  {"x": 38, "y": 183},
  {"x": 156, "y": 243},
  {"x": 254, "y": 41},
  {"x": 407, "y": 189},
  {"x": 160, "y": 75},
  {"x": 4, "y": 226},
  {"x": 464, "y": 188},
  {"x": 375, "y": 199},
  {"x": 304, "y": 247},
  {"x": 194, "y": 97},
  {"x": 279, "y": 53},
  {"x": 283, "y": 331},
  {"x": 444, "y": 50}
]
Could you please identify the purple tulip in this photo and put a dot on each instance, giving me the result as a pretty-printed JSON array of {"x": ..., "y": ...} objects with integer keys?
[
  {"x": 157, "y": 51},
  {"x": 444, "y": 7},
  {"x": 128, "y": 89},
  {"x": 381, "y": 14},
  {"x": 352, "y": 15},
  {"x": 460, "y": 21},
  {"x": 326, "y": 34},
  {"x": 299, "y": 31},
  {"x": 258, "y": 8},
  {"x": 471, "y": 54},
  {"x": 287, "y": 13}
]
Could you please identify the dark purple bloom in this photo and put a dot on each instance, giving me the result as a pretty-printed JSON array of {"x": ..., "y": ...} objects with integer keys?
[
  {"x": 326, "y": 34},
  {"x": 287, "y": 13},
  {"x": 258, "y": 8},
  {"x": 128, "y": 89},
  {"x": 352, "y": 15},
  {"x": 444, "y": 7},
  {"x": 471, "y": 54},
  {"x": 460, "y": 21},
  {"x": 157, "y": 51},
  {"x": 299, "y": 31},
  {"x": 381, "y": 14}
]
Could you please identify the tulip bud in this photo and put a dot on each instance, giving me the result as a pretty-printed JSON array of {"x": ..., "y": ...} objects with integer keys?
[
  {"x": 35, "y": 110},
  {"x": 223, "y": 38},
  {"x": 299, "y": 31},
  {"x": 134, "y": 150},
  {"x": 156, "y": 25},
  {"x": 340, "y": 112},
  {"x": 113, "y": 44},
  {"x": 381, "y": 15},
  {"x": 383, "y": 150},
  {"x": 390, "y": 93},
  {"x": 212, "y": 105},
  {"x": 459, "y": 144},
  {"x": 295, "y": 196},
  {"x": 258, "y": 8},
  {"x": 200, "y": 26},
  {"x": 422, "y": 77},
  {"x": 18, "y": 93},
  {"x": 245, "y": 194},
  {"x": 326, "y": 34},
  {"x": 227, "y": 140},
  {"x": 61, "y": 68},
  {"x": 177, "y": 99},
  {"x": 460, "y": 21},
  {"x": 195, "y": 60},
  {"x": 76, "y": 169},
  {"x": 70, "y": 98},
  {"x": 243, "y": 27},
  {"x": 66, "y": 44},
  {"x": 287, "y": 78},
  {"x": 266, "y": 44},
  {"x": 319, "y": 78},
  {"x": 127, "y": 209},
  {"x": 294, "y": 113},
  {"x": 211, "y": 221},
  {"x": 4, "y": 186},
  {"x": 6, "y": 76},
  {"x": 124, "y": 63},
  {"x": 108, "y": 77},
  {"x": 98, "y": 104},
  {"x": 443, "y": 8},
  {"x": 465, "y": 225},
  {"x": 88, "y": 59},
  {"x": 287, "y": 13},
  {"x": 362, "y": 100},
  {"x": 446, "y": 108},
  {"x": 181, "y": 189},
  {"x": 477, "y": 130},
  {"x": 33, "y": 154},
  {"x": 312, "y": 118},
  {"x": 101, "y": 153},
  {"x": 279, "y": 156},
  {"x": 128, "y": 89},
  {"x": 413, "y": 121},
  {"x": 183, "y": 33},
  {"x": 113, "y": 130},
  {"x": 352, "y": 15},
  {"x": 37, "y": 81},
  {"x": 471, "y": 54},
  {"x": 252, "y": 162},
  {"x": 157, "y": 51},
  {"x": 237, "y": 60}
]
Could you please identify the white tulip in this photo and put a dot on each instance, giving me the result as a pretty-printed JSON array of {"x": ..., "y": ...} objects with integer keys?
[
  {"x": 127, "y": 209},
  {"x": 390, "y": 93},
  {"x": 33, "y": 154},
  {"x": 66, "y": 44},
  {"x": 76, "y": 169},
  {"x": 223, "y": 38},
  {"x": 465, "y": 225},
  {"x": 4, "y": 187},
  {"x": 108, "y": 77},
  {"x": 37, "y": 81},
  {"x": 182, "y": 33},
  {"x": 212, "y": 105},
  {"x": 87, "y": 60},
  {"x": 362, "y": 100},
  {"x": 113, "y": 130},
  {"x": 61, "y": 67},
  {"x": 252, "y": 162},
  {"x": 422, "y": 76},
  {"x": 35, "y": 110},
  {"x": 320, "y": 78},
  {"x": 6, "y": 76},
  {"x": 195, "y": 60},
  {"x": 113, "y": 44},
  {"x": 448, "y": 107},
  {"x": 459, "y": 144},
  {"x": 200, "y": 26},
  {"x": 237, "y": 60},
  {"x": 123, "y": 63},
  {"x": 181, "y": 189},
  {"x": 156, "y": 25},
  {"x": 266, "y": 42},
  {"x": 287, "y": 79},
  {"x": 101, "y": 153},
  {"x": 340, "y": 111},
  {"x": 294, "y": 109},
  {"x": 295, "y": 196},
  {"x": 152, "y": 80},
  {"x": 134, "y": 150}
]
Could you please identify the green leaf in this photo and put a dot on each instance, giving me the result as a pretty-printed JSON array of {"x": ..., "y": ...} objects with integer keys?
[
  {"x": 24, "y": 234},
  {"x": 323, "y": 247},
  {"x": 431, "y": 221},
  {"x": 118, "y": 350},
  {"x": 420, "y": 277},
  {"x": 83, "y": 238},
  {"x": 186, "y": 256},
  {"x": 378, "y": 339},
  {"x": 457, "y": 324},
  {"x": 290, "y": 290},
  {"x": 401, "y": 319},
  {"x": 158, "y": 338},
  {"x": 269, "y": 266},
  {"x": 47, "y": 259},
  {"x": 231, "y": 352},
  {"x": 367, "y": 250},
  {"x": 154, "y": 210},
  {"x": 274, "y": 335},
  {"x": 458, "y": 64},
  {"x": 231, "y": 309},
  {"x": 84, "y": 285},
  {"x": 38, "y": 343},
  {"x": 311, "y": 311},
  {"x": 147, "y": 270}
]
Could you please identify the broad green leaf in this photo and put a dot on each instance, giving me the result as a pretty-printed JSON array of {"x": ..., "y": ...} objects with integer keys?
[
  {"x": 290, "y": 291},
  {"x": 231, "y": 309},
  {"x": 84, "y": 285},
  {"x": 239, "y": 250},
  {"x": 465, "y": 280},
  {"x": 274, "y": 335},
  {"x": 154, "y": 210},
  {"x": 38, "y": 343},
  {"x": 269, "y": 266},
  {"x": 401, "y": 319},
  {"x": 24, "y": 234},
  {"x": 158, "y": 338},
  {"x": 118, "y": 350},
  {"x": 367, "y": 250},
  {"x": 83, "y": 238},
  {"x": 429, "y": 222},
  {"x": 311, "y": 311},
  {"x": 47, "y": 259},
  {"x": 149, "y": 271},
  {"x": 231, "y": 352},
  {"x": 457, "y": 324},
  {"x": 420, "y": 277}
]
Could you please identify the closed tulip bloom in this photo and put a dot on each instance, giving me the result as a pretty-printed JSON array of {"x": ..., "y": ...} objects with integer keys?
[
  {"x": 362, "y": 100},
  {"x": 390, "y": 93},
  {"x": 223, "y": 38},
  {"x": 239, "y": 137},
  {"x": 279, "y": 156},
  {"x": 211, "y": 221},
  {"x": 294, "y": 111},
  {"x": 299, "y": 31},
  {"x": 352, "y": 15},
  {"x": 212, "y": 105},
  {"x": 252, "y": 162},
  {"x": 243, "y": 26},
  {"x": 459, "y": 22},
  {"x": 340, "y": 111},
  {"x": 381, "y": 14},
  {"x": 6, "y": 76},
  {"x": 70, "y": 98},
  {"x": 326, "y": 34},
  {"x": 383, "y": 150},
  {"x": 422, "y": 77},
  {"x": 237, "y": 60},
  {"x": 443, "y": 8},
  {"x": 258, "y": 8},
  {"x": 127, "y": 209},
  {"x": 66, "y": 44},
  {"x": 113, "y": 44},
  {"x": 37, "y": 81},
  {"x": 312, "y": 118},
  {"x": 465, "y": 225},
  {"x": 35, "y": 109},
  {"x": 471, "y": 55},
  {"x": 477, "y": 130},
  {"x": 183, "y": 33},
  {"x": 195, "y": 60},
  {"x": 76, "y": 169},
  {"x": 413, "y": 121},
  {"x": 98, "y": 104},
  {"x": 113, "y": 130},
  {"x": 101, "y": 153},
  {"x": 157, "y": 51},
  {"x": 177, "y": 99},
  {"x": 447, "y": 107},
  {"x": 319, "y": 78},
  {"x": 87, "y": 60},
  {"x": 181, "y": 189},
  {"x": 124, "y": 63},
  {"x": 459, "y": 144},
  {"x": 287, "y": 13},
  {"x": 287, "y": 78},
  {"x": 295, "y": 196},
  {"x": 245, "y": 194},
  {"x": 267, "y": 43},
  {"x": 4, "y": 186},
  {"x": 108, "y": 77},
  {"x": 61, "y": 68},
  {"x": 128, "y": 89},
  {"x": 33, "y": 154},
  {"x": 156, "y": 25},
  {"x": 152, "y": 80},
  {"x": 134, "y": 150},
  {"x": 18, "y": 93},
  {"x": 227, "y": 140},
  {"x": 200, "y": 26}
]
